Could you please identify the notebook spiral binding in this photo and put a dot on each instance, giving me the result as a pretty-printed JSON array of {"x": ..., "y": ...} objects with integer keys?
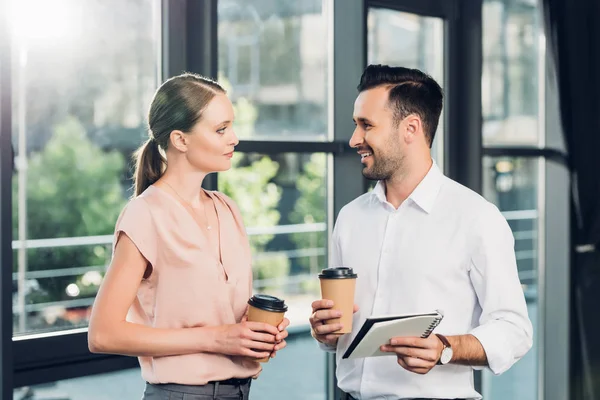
[{"x": 431, "y": 327}]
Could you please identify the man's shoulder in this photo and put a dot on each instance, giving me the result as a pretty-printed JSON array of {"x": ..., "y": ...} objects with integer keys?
[
  {"x": 465, "y": 197},
  {"x": 471, "y": 204},
  {"x": 357, "y": 205}
]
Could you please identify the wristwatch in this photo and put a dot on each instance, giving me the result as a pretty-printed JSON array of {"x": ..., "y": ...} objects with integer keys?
[{"x": 446, "y": 355}]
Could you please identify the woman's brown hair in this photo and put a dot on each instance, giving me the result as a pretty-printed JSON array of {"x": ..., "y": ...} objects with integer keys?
[{"x": 177, "y": 105}]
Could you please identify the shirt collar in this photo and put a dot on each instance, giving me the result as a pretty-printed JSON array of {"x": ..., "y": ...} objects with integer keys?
[{"x": 424, "y": 194}]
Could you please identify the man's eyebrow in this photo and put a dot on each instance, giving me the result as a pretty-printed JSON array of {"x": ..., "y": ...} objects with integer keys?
[{"x": 363, "y": 120}]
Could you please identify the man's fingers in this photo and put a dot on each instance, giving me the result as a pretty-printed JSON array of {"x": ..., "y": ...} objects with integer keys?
[
  {"x": 325, "y": 315},
  {"x": 321, "y": 304},
  {"x": 413, "y": 362},
  {"x": 424, "y": 354},
  {"x": 403, "y": 364},
  {"x": 326, "y": 329},
  {"x": 407, "y": 341}
]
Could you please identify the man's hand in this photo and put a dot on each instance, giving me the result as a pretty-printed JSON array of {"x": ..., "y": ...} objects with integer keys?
[
  {"x": 320, "y": 329},
  {"x": 416, "y": 354}
]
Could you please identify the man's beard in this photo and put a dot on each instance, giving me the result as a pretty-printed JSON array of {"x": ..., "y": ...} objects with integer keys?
[{"x": 383, "y": 168}]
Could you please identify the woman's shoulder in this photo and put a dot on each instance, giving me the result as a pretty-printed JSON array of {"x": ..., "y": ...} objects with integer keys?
[
  {"x": 227, "y": 202},
  {"x": 222, "y": 197},
  {"x": 142, "y": 204}
]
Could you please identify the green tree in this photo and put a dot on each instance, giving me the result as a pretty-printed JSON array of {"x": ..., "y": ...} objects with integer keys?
[
  {"x": 73, "y": 189},
  {"x": 311, "y": 207},
  {"x": 257, "y": 197},
  {"x": 250, "y": 184}
]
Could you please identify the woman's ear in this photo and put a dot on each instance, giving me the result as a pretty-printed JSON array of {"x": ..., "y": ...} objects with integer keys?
[{"x": 178, "y": 140}]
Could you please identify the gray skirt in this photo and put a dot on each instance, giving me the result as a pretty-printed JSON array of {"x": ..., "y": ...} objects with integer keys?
[{"x": 210, "y": 391}]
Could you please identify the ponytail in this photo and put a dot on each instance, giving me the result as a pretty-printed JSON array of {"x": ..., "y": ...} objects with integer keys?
[{"x": 149, "y": 166}]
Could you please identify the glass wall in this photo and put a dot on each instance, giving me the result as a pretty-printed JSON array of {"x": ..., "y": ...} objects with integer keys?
[
  {"x": 513, "y": 115},
  {"x": 273, "y": 56},
  {"x": 83, "y": 76},
  {"x": 274, "y": 61},
  {"x": 298, "y": 371},
  {"x": 283, "y": 200},
  {"x": 511, "y": 78},
  {"x": 512, "y": 184}
]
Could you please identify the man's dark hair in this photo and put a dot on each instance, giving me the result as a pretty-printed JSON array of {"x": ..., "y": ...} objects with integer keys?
[{"x": 411, "y": 92}]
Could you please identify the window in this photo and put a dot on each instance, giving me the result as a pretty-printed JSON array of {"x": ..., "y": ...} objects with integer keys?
[
  {"x": 273, "y": 58},
  {"x": 512, "y": 184},
  {"x": 283, "y": 201},
  {"x": 83, "y": 76},
  {"x": 511, "y": 79},
  {"x": 513, "y": 98}
]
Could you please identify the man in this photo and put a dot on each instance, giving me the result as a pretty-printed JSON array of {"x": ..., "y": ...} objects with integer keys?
[{"x": 420, "y": 242}]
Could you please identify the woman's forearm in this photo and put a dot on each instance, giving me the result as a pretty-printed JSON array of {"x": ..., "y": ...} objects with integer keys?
[{"x": 137, "y": 340}]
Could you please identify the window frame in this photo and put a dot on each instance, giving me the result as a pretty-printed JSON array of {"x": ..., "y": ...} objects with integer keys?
[
  {"x": 6, "y": 168},
  {"x": 189, "y": 43}
]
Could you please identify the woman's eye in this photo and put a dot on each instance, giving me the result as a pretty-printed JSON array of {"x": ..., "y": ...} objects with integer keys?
[{"x": 222, "y": 130}]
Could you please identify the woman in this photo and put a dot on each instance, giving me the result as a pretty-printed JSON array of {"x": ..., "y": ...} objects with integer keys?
[{"x": 176, "y": 292}]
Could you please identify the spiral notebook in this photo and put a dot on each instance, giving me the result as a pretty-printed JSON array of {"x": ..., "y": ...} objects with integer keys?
[{"x": 377, "y": 331}]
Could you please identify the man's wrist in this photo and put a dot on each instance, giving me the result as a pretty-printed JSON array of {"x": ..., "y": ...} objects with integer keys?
[{"x": 447, "y": 353}]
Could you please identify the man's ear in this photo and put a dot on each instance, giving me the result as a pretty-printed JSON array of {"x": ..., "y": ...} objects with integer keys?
[
  {"x": 178, "y": 140},
  {"x": 413, "y": 127}
]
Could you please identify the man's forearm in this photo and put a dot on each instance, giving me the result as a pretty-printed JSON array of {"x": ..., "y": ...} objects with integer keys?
[{"x": 467, "y": 350}]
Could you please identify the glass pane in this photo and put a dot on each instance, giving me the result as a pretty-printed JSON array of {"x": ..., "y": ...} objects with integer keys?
[
  {"x": 126, "y": 384},
  {"x": 408, "y": 40},
  {"x": 283, "y": 201},
  {"x": 273, "y": 58},
  {"x": 512, "y": 184},
  {"x": 302, "y": 356},
  {"x": 84, "y": 74},
  {"x": 298, "y": 372},
  {"x": 511, "y": 78}
]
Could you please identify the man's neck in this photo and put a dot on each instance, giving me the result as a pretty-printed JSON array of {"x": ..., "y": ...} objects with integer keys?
[{"x": 400, "y": 186}]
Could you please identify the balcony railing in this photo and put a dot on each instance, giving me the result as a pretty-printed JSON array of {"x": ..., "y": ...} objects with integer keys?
[{"x": 287, "y": 284}]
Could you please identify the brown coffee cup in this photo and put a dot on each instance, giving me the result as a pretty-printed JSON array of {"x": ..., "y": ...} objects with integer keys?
[
  {"x": 268, "y": 309},
  {"x": 338, "y": 284}
]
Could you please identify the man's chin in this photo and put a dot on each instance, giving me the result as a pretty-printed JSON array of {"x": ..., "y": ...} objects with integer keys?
[{"x": 368, "y": 175}]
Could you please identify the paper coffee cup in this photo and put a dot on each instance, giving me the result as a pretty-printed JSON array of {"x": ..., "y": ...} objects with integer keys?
[
  {"x": 267, "y": 309},
  {"x": 338, "y": 284}
]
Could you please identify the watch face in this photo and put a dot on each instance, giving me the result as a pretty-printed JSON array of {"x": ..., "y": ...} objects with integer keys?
[{"x": 446, "y": 355}]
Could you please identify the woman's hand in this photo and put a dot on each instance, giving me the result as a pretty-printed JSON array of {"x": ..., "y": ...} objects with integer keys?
[
  {"x": 246, "y": 339},
  {"x": 280, "y": 342}
]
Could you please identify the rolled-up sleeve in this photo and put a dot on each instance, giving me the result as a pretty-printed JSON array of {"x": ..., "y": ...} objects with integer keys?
[
  {"x": 504, "y": 330},
  {"x": 327, "y": 348}
]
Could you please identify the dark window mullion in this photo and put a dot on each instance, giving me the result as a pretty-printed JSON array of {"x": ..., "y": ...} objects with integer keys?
[
  {"x": 431, "y": 8},
  {"x": 6, "y": 168},
  {"x": 277, "y": 147},
  {"x": 555, "y": 155}
]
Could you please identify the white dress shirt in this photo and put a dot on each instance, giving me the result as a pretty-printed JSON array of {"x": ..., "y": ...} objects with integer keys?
[{"x": 444, "y": 248}]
